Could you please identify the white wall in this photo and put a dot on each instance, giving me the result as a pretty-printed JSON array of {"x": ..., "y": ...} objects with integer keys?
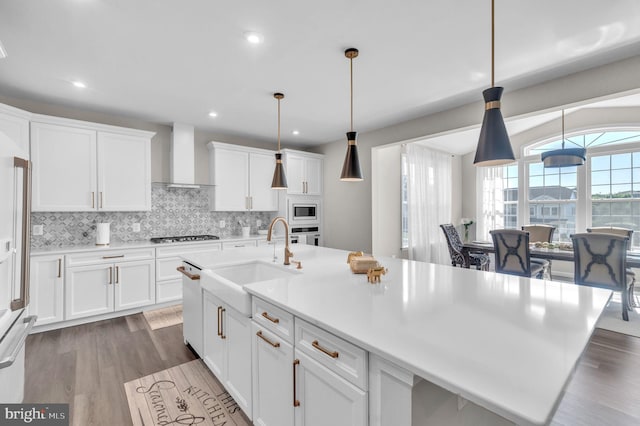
[
  {"x": 348, "y": 205},
  {"x": 386, "y": 211}
]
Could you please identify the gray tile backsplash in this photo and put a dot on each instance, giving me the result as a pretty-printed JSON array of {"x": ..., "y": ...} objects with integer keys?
[{"x": 174, "y": 211}]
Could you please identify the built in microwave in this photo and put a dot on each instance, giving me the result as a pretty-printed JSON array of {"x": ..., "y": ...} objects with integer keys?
[{"x": 304, "y": 212}]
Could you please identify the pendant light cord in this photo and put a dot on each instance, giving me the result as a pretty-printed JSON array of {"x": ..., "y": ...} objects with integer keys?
[
  {"x": 351, "y": 83},
  {"x": 278, "y": 124},
  {"x": 492, "y": 43}
]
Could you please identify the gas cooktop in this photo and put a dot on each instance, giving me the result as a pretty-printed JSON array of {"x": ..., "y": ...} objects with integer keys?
[{"x": 184, "y": 238}]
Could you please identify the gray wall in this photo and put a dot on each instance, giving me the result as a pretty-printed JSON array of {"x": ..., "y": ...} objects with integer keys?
[{"x": 347, "y": 207}]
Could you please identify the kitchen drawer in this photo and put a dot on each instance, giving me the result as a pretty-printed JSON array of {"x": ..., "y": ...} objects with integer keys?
[
  {"x": 167, "y": 291},
  {"x": 263, "y": 241},
  {"x": 176, "y": 251},
  {"x": 167, "y": 268},
  {"x": 272, "y": 318},
  {"x": 110, "y": 256},
  {"x": 338, "y": 355},
  {"x": 230, "y": 245}
]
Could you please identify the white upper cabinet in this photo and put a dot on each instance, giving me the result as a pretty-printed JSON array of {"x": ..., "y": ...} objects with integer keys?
[
  {"x": 124, "y": 178},
  {"x": 242, "y": 178},
  {"x": 304, "y": 172},
  {"x": 64, "y": 168},
  {"x": 80, "y": 166}
]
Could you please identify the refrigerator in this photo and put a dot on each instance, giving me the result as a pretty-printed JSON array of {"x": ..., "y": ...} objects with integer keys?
[{"x": 15, "y": 201}]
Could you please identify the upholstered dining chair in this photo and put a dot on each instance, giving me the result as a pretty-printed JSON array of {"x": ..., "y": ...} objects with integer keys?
[
  {"x": 623, "y": 232},
  {"x": 543, "y": 234},
  {"x": 479, "y": 260},
  {"x": 513, "y": 256},
  {"x": 600, "y": 260}
]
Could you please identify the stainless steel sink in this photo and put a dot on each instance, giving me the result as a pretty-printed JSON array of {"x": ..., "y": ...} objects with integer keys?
[{"x": 227, "y": 282}]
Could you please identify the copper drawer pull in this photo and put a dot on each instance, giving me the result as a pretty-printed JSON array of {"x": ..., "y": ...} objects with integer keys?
[
  {"x": 270, "y": 318},
  {"x": 110, "y": 275},
  {"x": 113, "y": 257},
  {"x": 316, "y": 345},
  {"x": 221, "y": 311},
  {"x": 296, "y": 403},
  {"x": 93, "y": 200},
  {"x": 60, "y": 268},
  {"x": 117, "y": 274},
  {"x": 275, "y": 345},
  {"x": 184, "y": 271}
]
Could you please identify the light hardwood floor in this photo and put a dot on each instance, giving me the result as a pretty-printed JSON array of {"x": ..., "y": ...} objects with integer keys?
[{"x": 86, "y": 366}]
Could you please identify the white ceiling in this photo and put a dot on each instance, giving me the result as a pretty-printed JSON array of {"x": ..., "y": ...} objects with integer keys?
[{"x": 168, "y": 60}]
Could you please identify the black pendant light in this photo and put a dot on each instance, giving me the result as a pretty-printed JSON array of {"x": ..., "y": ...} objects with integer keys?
[
  {"x": 279, "y": 179},
  {"x": 564, "y": 157},
  {"x": 351, "y": 168},
  {"x": 494, "y": 147}
]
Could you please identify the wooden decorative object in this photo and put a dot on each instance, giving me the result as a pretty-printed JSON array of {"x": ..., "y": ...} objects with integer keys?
[
  {"x": 373, "y": 275},
  {"x": 362, "y": 264}
]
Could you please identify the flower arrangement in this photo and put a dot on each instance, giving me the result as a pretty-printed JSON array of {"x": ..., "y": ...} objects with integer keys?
[{"x": 466, "y": 222}]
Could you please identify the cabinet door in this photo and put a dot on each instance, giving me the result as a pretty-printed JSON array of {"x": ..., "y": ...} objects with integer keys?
[
  {"x": 295, "y": 174},
  {"x": 263, "y": 198},
  {"x": 326, "y": 398},
  {"x": 214, "y": 340},
  {"x": 134, "y": 284},
  {"x": 64, "y": 168},
  {"x": 230, "y": 170},
  {"x": 47, "y": 289},
  {"x": 88, "y": 291},
  {"x": 124, "y": 173},
  {"x": 313, "y": 172},
  {"x": 272, "y": 379},
  {"x": 237, "y": 329}
]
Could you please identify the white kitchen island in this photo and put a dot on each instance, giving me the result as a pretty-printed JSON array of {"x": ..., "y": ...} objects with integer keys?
[{"x": 445, "y": 345}]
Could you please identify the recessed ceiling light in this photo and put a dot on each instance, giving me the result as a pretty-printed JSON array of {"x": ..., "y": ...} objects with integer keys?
[
  {"x": 213, "y": 114},
  {"x": 295, "y": 132},
  {"x": 3, "y": 51},
  {"x": 253, "y": 37},
  {"x": 79, "y": 84}
]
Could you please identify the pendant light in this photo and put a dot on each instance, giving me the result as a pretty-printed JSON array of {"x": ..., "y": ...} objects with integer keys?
[
  {"x": 279, "y": 179},
  {"x": 351, "y": 168},
  {"x": 494, "y": 148},
  {"x": 564, "y": 157}
]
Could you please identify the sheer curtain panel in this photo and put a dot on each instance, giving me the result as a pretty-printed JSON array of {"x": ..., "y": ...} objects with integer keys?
[
  {"x": 490, "y": 202},
  {"x": 429, "y": 202}
]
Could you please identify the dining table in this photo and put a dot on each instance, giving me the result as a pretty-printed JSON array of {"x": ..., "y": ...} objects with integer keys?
[{"x": 633, "y": 257}]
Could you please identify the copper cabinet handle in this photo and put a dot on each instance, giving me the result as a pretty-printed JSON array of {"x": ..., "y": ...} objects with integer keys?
[
  {"x": 332, "y": 354},
  {"x": 296, "y": 403},
  {"x": 101, "y": 200},
  {"x": 93, "y": 200},
  {"x": 117, "y": 274},
  {"x": 275, "y": 345},
  {"x": 60, "y": 268},
  {"x": 110, "y": 275},
  {"x": 113, "y": 257},
  {"x": 221, "y": 311},
  {"x": 188, "y": 275},
  {"x": 270, "y": 318}
]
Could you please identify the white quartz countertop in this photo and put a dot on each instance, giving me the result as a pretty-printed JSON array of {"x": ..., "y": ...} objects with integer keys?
[
  {"x": 136, "y": 244},
  {"x": 506, "y": 343}
]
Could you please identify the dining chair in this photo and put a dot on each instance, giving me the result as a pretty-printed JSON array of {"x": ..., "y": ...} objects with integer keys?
[
  {"x": 623, "y": 232},
  {"x": 480, "y": 260},
  {"x": 543, "y": 234},
  {"x": 513, "y": 256},
  {"x": 600, "y": 260}
]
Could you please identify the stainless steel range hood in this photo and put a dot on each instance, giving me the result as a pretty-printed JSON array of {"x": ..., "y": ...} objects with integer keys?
[{"x": 182, "y": 159}]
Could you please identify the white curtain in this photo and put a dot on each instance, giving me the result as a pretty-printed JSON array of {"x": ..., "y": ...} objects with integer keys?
[
  {"x": 490, "y": 201},
  {"x": 429, "y": 202}
]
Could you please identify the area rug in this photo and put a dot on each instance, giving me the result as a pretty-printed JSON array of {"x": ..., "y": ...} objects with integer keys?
[
  {"x": 164, "y": 317},
  {"x": 187, "y": 394},
  {"x": 611, "y": 318}
]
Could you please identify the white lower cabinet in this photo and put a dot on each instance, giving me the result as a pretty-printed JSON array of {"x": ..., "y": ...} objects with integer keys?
[
  {"x": 272, "y": 378},
  {"x": 47, "y": 288},
  {"x": 227, "y": 349},
  {"x": 103, "y": 285},
  {"x": 326, "y": 398},
  {"x": 310, "y": 379}
]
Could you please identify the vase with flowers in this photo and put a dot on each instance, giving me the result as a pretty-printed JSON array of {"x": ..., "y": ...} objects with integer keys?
[{"x": 466, "y": 222}]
